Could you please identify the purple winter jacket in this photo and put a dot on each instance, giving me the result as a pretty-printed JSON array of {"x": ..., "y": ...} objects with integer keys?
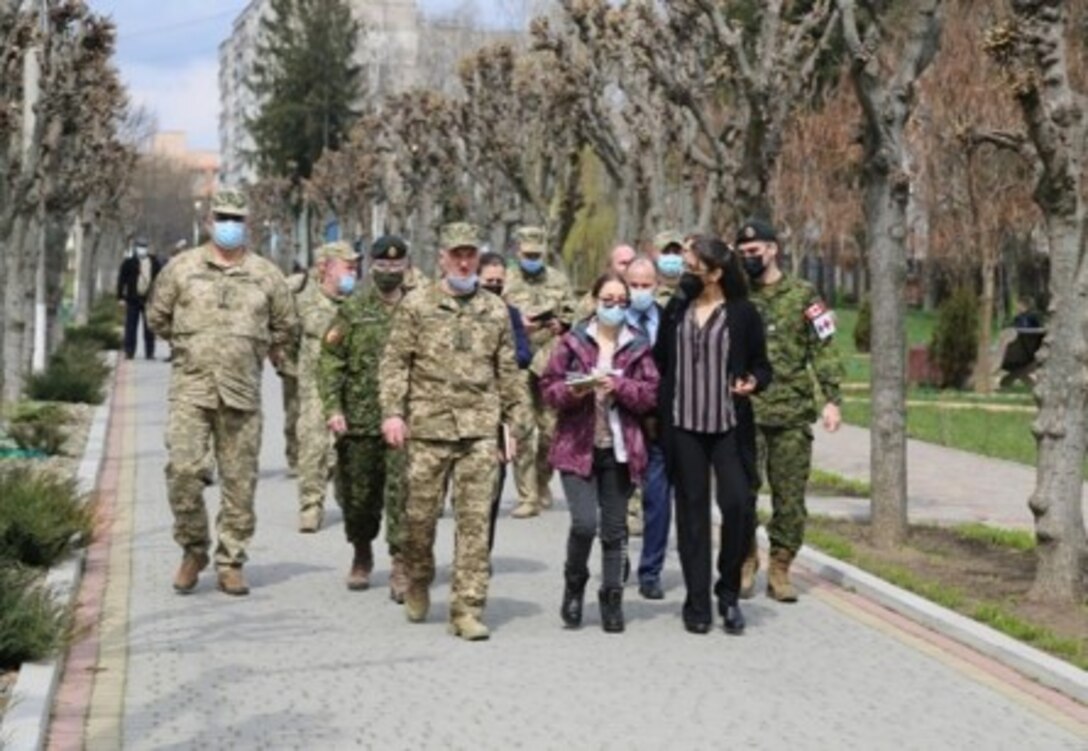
[{"x": 635, "y": 395}]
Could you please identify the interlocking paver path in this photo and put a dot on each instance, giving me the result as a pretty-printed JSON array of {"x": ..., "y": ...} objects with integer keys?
[{"x": 303, "y": 663}]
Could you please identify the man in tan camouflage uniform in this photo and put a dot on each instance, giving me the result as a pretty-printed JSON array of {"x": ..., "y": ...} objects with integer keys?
[
  {"x": 448, "y": 380},
  {"x": 800, "y": 345},
  {"x": 544, "y": 296},
  {"x": 223, "y": 309},
  {"x": 668, "y": 246},
  {"x": 287, "y": 370},
  {"x": 330, "y": 281}
]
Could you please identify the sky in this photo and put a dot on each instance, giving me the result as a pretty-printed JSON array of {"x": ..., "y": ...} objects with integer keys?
[{"x": 167, "y": 53}]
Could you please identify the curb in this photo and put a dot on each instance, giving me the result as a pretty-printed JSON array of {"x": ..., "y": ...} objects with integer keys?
[
  {"x": 1033, "y": 663},
  {"x": 25, "y": 724}
]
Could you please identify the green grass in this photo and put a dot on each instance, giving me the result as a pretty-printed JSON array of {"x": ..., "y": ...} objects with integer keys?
[
  {"x": 32, "y": 625},
  {"x": 829, "y": 483},
  {"x": 942, "y": 594},
  {"x": 830, "y": 543},
  {"x": 997, "y": 617},
  {"x": 919, "y": 331},
  {"x": 1015, "y": 539}
]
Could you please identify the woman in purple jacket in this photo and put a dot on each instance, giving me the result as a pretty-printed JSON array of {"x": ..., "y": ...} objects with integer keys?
[{"x": 601, "y": 379}]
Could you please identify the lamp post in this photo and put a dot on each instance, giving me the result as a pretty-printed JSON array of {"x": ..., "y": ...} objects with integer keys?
[{"x": 197, "y": 205}]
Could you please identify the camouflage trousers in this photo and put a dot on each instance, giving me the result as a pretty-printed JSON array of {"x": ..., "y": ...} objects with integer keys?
[
  {"x": 316, "y": 457},
  {"x": 532, "y": 470},
  {"x": 369, "y": 478},
  {"x": 235, "y": 437},
  {"x": 290, "y": 418},
  {"x": 785, "y": 456},
  {"x": 472, "y": 467}
]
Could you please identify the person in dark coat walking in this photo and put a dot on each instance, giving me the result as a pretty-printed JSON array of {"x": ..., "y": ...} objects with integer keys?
[{"x": 134, "y": 283}]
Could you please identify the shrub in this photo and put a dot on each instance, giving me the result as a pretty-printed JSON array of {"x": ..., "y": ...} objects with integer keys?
[
  {"x": 954, "y": 346},
  {"x": 32, "y": 625},
  {"x": 39, "y": 427},
  {"x": 75, "y": 373},
  {"x": 106, "y": 312},
  {"x": 40, "y": 516},
  {"x": 100, "y": 335},
  {"x": 863, "y": 330}
]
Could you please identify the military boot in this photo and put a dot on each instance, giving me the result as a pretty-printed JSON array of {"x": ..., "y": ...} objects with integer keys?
[
  {"x": 417, "y": 601},
  {"x": 309, "y": 521},
  {"x": 778, "y": 576},
  {"x": 398, "y": 580},
  {"x": 574, "y": 593},
  {"x": 469, "y": 628},
  {"x": 610, "y": 600},
  {"x": 748, "y": 571},
  {"x": 232, "y": 581},
  {"x": 189, "y": 571},
  {"x": 361, "y": 566},
  {"x": 525, "y": 511}
]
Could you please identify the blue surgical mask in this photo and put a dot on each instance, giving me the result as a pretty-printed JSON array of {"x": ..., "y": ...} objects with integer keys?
[
  {"x": 642, "y": 300},
  {"x": 463, "y": 285},
  {"x": 532, "y": 266},
  {"x": 229, "y": 235},
  {"x": 670, "y": 265},
  {"x": 346, "y": 284},
  {"x": 611, "y": 317}
]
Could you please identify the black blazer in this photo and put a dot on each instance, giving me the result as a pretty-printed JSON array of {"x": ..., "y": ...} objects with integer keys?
[
  {"x": 747, "y": 356},
  {"x": 129, "y": 276}
]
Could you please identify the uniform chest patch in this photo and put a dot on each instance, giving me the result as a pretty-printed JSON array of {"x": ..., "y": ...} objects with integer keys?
[{"x": 821, "y": 319}]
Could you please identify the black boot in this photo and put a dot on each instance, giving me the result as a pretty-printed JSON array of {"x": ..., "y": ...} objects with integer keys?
[
  {"x": 611, "y": 602},
  {"x": 573, "y": 596},
  {"x": 729, "y": 607}
]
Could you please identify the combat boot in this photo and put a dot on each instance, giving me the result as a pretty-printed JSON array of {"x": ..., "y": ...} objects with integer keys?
[
  {"x": 610, "y": 600},
  {"x": 525, "y": 511},
  {"x": 573, "y": 599},
  {"x": 361, "y": 566},
  {"x": 469, "y": 628},
  {"x": 309, "y": 521},
  {"x": 232, "y": 581},
  {"x": 189, "y": 571},
  {"x": 778, "y": 576},
  {"x": 398, "y": 580},
  {"x": 748, "y": 571},
  {"x": 417, "y": 601}
]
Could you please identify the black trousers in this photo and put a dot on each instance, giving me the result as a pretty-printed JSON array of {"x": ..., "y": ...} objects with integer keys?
[
  {"x": 696, "y": 456},
  {"x": 135, "y": 309}
]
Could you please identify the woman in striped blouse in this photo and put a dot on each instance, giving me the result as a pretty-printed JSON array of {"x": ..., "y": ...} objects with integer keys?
[{"x": 712, "y": 356}]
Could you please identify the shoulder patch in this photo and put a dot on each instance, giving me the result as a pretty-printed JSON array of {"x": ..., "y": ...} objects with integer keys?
[{"x": 821, "y": 319}]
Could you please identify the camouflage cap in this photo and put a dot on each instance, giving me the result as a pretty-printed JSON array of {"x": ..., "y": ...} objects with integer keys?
[
  {"x": 229, "y": 202},
  {"x": 338, "y": 250},
  {"x": 389, "y": 247},
  {"x": 531, "y": 239},
  {"x": 459, "y": 235},
  {"x": 756, "y": 230},
  {"x": 669, "y": 237}
]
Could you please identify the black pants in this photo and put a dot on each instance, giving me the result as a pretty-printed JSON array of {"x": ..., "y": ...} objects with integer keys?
[
  {"x": 598, "y": 507},
  {"x": 696, "y": 455},
  {"x": 135, "y": 309}
]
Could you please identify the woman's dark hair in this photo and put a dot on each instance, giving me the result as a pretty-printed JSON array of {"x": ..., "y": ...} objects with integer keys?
[
  {"x": 607, "y": 277},
  {"x": 491, "y": 258},
  {"x": 714, "y": 253}
]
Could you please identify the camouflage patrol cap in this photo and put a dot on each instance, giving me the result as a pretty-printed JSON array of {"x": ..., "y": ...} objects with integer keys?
[
  {"x": 666, "y": 238},
  {"x": 756, "y": 230},
  {"x": 389, "y": 247},
  {"x": 338, "y": 250},
  {"x": 531, "y": 239},
  {"x": 229, "y": 202},
  {"x": 459, "y": 235}
]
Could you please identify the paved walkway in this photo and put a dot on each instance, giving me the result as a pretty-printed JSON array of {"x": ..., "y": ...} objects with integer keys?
[
  {"x": 944, "y": 485},
  {"x": 302, "y": 663}
]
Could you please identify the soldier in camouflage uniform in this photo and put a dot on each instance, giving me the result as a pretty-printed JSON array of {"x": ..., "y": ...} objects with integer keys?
[
  {"x": 546, "y": 301},
  {"x": 223, "y": 310},
  {"x": 369, "y": 475},
  {"x": 800, "y": 346},
  {"x": 288, "y": 373},
  {"x": 329, "y": 283},
  {"x": 448, "y": 380}
]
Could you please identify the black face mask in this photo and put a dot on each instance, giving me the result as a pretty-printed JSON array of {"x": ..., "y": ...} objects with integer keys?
[
  {"x": 691, "y": 285},
  {"x": 496, "y": 288},
  {"x": 754, "y": 266},
  {"x": 387, "y": 281}
]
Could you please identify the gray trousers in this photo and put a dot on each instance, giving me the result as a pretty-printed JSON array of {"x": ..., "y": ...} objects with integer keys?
[{"x": 598, "y": 505}]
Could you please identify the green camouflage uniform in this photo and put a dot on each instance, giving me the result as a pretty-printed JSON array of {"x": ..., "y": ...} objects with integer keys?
[
  {"x": 786, "y": 410},
  {"x": 369, "y": 474},
  {"x": 549, "y": 290},
  {"x": 316, "y": 311},
  {"x": 449, "y": 371},
  {"x": 221, "y": 322},
  {"x": 288, "y": 373}
]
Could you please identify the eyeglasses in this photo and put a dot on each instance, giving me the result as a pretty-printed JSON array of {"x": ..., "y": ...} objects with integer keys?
[{"x": 609, "y": 302}]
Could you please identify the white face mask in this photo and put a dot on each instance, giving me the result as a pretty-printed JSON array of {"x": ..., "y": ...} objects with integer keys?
[{"x": 141, "y": 251}]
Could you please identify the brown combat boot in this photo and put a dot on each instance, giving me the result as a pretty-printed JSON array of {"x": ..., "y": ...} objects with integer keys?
[
  {"x": 525, "y": 511},
  {"x": 232, "y": 581},
  {"x": 189, "y": 571},
  {"x": 398, "y": 580},
  {"x": 748, "y": 571},
  {"x": 469, "y": 628},
  {"x": 417, "y": 601},
  {"x": 361, "y": 566},
  {"x": 778, "y": 576}
]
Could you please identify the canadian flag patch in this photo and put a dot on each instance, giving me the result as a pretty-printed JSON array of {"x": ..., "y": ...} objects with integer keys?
[{"x": 822, "y": 320}]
